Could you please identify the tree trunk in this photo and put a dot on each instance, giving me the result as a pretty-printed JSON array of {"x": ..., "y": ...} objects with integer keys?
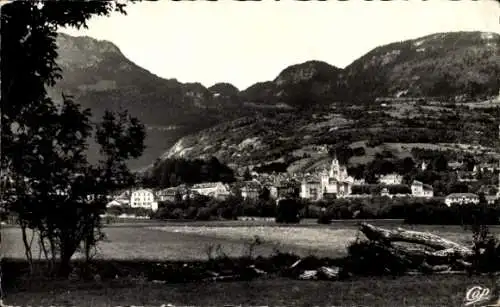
[
  {"x": 65, "y": 264},
  {"x": 27, "y": 247},
  {"x": 442, "y": 246},
  {"x": 432, "y": 253}
]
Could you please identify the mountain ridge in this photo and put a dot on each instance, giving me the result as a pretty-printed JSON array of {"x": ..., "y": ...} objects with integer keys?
[
  {"x": 464, "y": 65},
  {"x": 99, "y": 76}
]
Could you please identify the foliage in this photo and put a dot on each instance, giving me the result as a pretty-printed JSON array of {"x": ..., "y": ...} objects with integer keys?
[
  {"x": 274, "y": 167},
  {"x": 288, "y": 211},
  {"x": 411, "y": 210},
  {"x": 173, "y": 172},
  {"x": 55, "y": 191},
  {"x": 204, "y": 208}
]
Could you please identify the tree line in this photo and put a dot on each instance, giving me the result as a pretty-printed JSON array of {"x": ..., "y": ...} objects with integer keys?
[{"x": 175, "y": 171}]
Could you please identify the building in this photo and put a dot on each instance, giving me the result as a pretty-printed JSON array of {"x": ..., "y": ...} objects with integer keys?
[
  {"x": 168, "y": 194},
  {"x": 212, "y": 189},
  {"x": 418, "y": 189},
  {"x": 251, "y": 189},
  {"x": 287, "y": 189},
  {"x": 330, "y": 183},
  {"x": 310, "y": 188},
  {"x": 491, "y": 199},
  {"x": 423, "y": 167},
  {"x": 143, "y": 198},
  {"x": 336, "y": 181},
  {"x": 461, "y": 198},
  {"x": 455, "y": 165},
  {"x": 113, "y": 203},
  {"x": 391, "y": 179},
  {"x": 272, "y": 190},
  {"x": 385, "y": 192},
  {"x": 359, "y": 181}
]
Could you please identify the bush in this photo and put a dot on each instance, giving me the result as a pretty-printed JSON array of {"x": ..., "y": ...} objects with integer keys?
[
  {"x": 288, "y": 211},
  {"x": 324, "y": 219},
  {"x": 204, "y": 214},
  {"x": 358, "y": 151}
]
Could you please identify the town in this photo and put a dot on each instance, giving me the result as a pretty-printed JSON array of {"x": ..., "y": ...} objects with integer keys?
[
  {"x": 326, "y": 184},
  {"x": 221, "y": 153}
]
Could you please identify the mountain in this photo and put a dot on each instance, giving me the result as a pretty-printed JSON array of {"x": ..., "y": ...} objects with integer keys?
[
  {"x": 224, "y": 89},
  {"x": 100, "y": 77},
  {"x": 443, "y": 65},
  {"x": 301, "y": 85}
]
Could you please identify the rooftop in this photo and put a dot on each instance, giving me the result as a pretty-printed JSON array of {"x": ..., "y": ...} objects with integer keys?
[
  {"x": 469, "y": 195},
  {"x": 205, "y": 185}
]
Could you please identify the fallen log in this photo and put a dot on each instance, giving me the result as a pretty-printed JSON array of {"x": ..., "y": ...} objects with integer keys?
[
  {"x": 443, "y": 247},
  {"x": 423, "y": 252}
]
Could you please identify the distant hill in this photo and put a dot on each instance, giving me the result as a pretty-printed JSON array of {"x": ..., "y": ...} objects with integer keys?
[
  {"x": 438, "y": 65},
  {"x": 442, "y": 65},
  {"x": 100, "y": 77},
  {"x": 301, "y": 85}
]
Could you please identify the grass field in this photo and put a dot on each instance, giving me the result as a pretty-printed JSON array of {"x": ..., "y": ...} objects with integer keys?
[
  {"x": 190, "y": 241},
  {"x": 421, "y": 291}
]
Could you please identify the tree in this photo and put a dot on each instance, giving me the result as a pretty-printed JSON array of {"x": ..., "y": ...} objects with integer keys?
[
  {"x": 57, "y": 193},
  {"x": 407, "y": 165},
  {"x": 247, "y": 175},
  {"x": 440, "y": 163},
  {"x": 265, "y": 194}
]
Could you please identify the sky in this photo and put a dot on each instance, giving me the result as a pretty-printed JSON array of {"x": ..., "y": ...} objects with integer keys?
[{"x": 247, "y": 42}]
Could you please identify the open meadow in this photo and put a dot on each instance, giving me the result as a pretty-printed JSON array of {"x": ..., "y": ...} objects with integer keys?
[
  {"x": 192, "y": 240},
  {"x": 163, "y": 241}
]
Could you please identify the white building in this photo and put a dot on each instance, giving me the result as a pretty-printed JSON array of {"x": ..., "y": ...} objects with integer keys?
[
  {"x": 461, "y": 198},
  {"x": 418, "y": 189},
  {"x": 212, "y": 189},
  {"x": 335, "y": 182},
  {"x": 311, "y": 189},
  {"x": 143, "y": 198},
  {"x": 391, "y": 179},
  {"x": 423, "y": 167}
]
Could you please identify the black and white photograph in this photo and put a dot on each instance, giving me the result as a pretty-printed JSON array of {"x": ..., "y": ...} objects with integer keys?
[{"x": 250, "y": 153}]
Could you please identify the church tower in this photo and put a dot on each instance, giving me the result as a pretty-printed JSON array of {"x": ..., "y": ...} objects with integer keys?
[{"x": 335, "y": 168}]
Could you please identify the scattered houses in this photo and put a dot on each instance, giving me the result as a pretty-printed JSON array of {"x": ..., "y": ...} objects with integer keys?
[{"x": 461, "y": 198}]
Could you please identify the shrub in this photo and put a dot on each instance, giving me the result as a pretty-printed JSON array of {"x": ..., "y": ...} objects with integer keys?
[
  {"x": 203, "y": 214},
  {"x": 324, "y": 219},
  {"x": 358, "y": 151},
  {"x": 288, "y": 211}
]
